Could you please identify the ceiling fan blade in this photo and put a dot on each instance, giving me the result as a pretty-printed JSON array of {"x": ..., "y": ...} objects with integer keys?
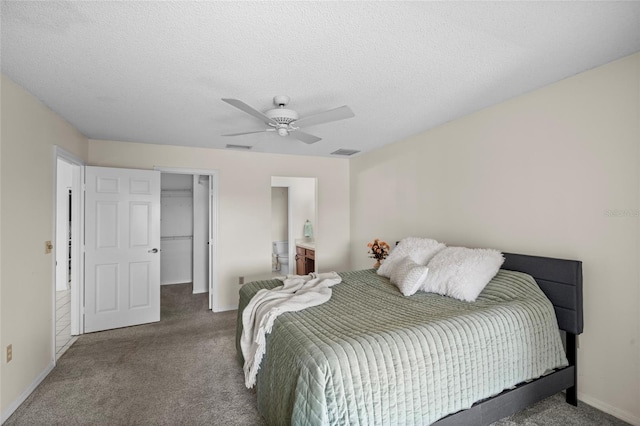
[
  {"x": 248, "y": 109},
  {"x": 248, "y": 133},
  {"x": 335, "y": 114},
  {"x": 304, "y": 137}
]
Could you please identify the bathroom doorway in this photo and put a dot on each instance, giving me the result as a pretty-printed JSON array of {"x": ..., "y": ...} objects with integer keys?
[
  {"x": 301, "y": 225},
  {"x": 280, "y": 230}
]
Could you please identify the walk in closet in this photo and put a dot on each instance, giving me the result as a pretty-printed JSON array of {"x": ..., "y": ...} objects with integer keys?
[{"x": 184, "y": 230}]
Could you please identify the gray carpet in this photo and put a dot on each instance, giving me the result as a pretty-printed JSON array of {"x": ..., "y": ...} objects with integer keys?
[{"x": 183, "y": 370}]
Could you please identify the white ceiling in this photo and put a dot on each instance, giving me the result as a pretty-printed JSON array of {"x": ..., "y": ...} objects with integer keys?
[{"x": 154, "y": 72}]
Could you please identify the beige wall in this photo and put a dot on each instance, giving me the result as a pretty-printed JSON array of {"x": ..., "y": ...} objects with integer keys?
[
  {"x": 29, "y": 132},
  {"x": 244, "y": 244},
  {"x": 546, "y": 173}
]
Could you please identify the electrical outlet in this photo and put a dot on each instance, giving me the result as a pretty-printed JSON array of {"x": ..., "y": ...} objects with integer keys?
[
  {"x": 48, "y": 247},
  {"x": 9, "y": 353},
  {"x": 240, "y": 280}
]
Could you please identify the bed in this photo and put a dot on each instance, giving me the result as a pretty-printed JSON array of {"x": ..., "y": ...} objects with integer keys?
[{"x": 372, "y": 356}]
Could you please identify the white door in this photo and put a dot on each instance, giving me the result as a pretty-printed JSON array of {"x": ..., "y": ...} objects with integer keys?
[{"x": 122, "y": 243}]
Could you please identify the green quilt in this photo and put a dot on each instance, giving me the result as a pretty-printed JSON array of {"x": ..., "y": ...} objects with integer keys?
[{"x": 370, "y": 356}]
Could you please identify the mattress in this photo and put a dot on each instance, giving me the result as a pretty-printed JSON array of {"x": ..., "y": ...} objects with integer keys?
[{"x": 372, "y": 356}]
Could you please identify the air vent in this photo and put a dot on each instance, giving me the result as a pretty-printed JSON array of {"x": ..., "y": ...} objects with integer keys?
[
  {"x": 244, "y": 147},
  {"x": 346, "y": 152}
]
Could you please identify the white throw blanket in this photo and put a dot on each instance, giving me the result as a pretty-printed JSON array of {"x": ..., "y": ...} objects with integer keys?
[{"x": 298, "y": 292}]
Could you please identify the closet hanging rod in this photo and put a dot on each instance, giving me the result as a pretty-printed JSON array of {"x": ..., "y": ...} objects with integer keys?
[{"x": 176, "y": 193}]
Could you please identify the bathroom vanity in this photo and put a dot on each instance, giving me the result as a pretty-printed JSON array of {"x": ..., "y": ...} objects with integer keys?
[{"x": 305, "y": 258}]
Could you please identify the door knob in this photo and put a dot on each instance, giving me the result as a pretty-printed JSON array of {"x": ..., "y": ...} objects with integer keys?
[{"x": 153, "y": 250}]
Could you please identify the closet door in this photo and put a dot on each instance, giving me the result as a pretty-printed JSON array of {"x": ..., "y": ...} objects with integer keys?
[{"x": 122, "y": 243}]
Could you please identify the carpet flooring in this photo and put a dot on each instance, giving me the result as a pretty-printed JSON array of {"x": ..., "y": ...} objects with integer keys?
[{"x": 183, "y": 371}]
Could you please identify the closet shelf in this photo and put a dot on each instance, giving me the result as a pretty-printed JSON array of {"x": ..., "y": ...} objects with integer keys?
[
  {"x": 177, "y": 237},
  {"x": 176, "y": 193}
]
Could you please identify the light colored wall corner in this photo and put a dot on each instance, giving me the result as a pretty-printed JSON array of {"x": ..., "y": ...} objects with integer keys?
[
  {"x": 13, "y": 405},
  {"x": 554, "y": 172},
  {"x": 29, "y": 133},
  {"x": 608, "y": 408},
  {"x": 245, "y": 202}
]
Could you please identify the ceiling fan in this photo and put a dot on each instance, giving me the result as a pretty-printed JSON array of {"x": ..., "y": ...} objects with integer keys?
[{"x": 287, "y": 122}]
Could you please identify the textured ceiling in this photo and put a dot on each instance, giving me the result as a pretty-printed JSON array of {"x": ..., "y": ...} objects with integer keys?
[{"x": 155, "y": 72}]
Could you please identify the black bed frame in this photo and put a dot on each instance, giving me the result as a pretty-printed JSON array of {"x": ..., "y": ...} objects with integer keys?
[{"x": 561, "y": 281}]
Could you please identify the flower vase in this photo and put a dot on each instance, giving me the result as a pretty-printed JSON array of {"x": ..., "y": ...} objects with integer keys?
[{"x": 376, "y": 265}]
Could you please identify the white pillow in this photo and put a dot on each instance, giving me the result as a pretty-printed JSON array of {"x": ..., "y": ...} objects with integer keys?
[
  {"x": 461, "y": 272},
  {"x": 420, "y": 250},
  {"x": 408, "y": 276}
]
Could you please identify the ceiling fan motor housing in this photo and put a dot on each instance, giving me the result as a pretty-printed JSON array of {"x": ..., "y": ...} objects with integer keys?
[
  {"x": 282, "y": 115},
  {"x": 281, "y": 100}
]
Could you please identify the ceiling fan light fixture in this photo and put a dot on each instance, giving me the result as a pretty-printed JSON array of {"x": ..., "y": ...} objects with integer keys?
[{"x": 286, "y": 121}]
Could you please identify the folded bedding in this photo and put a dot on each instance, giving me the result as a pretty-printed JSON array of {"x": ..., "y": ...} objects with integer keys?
[{"x": 372, "y": 356}]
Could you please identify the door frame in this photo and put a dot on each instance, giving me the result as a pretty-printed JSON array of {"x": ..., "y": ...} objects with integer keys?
[
  {"x": 214, "y": 299},
  {"x": 77, "y": 242}
]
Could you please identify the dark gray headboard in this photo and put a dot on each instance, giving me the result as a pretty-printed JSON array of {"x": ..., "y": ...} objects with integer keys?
[{"x": 560, "y": 280}]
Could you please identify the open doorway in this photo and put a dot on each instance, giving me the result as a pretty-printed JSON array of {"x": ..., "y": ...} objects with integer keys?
[
  {"x": 301, "y": 221},
  {"x": 70, "y": 256},
  {"x": 280, "y": 231},
  {"x": 183, "y": 235},
  {"x": 188, "y": 232},
  {"x": 68, "y": 261}
]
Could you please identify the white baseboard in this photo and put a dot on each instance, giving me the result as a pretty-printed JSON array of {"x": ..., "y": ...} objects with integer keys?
[
  {"x": 175, "y": 282},
  {"x": 224, "y": 308},
  {"x": 24, "y": 395},
  {"x": 609, "y": 409}
]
